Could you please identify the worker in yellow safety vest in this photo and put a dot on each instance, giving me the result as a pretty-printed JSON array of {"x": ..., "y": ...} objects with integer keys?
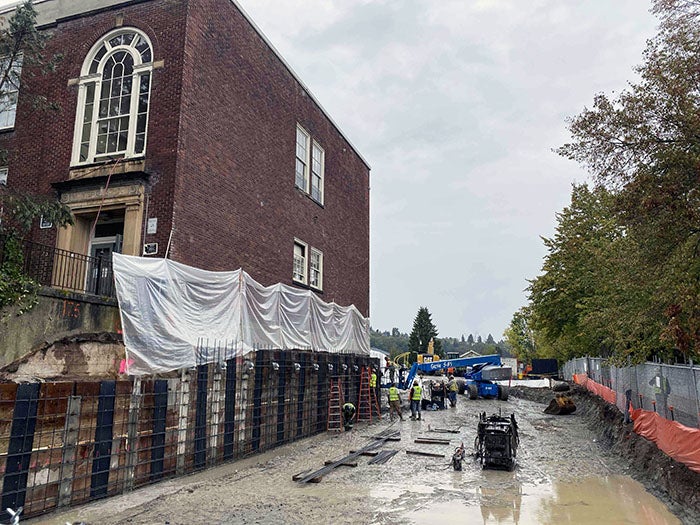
[
  {"x": 416, "y": 396},
  {"x": 373, "y": 379},
  {"x": 452, "y": 389},
  {"x": 394, "y": 402}
]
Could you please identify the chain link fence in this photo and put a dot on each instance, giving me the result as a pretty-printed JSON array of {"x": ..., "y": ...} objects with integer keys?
[{"x": 669, "y": 390}]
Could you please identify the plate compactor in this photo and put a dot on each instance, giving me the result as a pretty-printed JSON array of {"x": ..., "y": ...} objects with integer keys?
[{"x": 496, "y": 442}]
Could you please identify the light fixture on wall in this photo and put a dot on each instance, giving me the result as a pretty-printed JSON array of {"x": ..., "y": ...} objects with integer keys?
[
  {"x": 275, "y": 366},
  {"x": 315, "y": 367},
  {"x": 297, "y": 367},
  {"x": 330, "y": 367}
]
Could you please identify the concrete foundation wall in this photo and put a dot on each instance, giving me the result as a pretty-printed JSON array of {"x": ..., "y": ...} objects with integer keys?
[{"x": 57, "y": 315}]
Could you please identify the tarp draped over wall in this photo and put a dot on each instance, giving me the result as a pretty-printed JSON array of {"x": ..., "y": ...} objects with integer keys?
[{"x": 168, "y": 308}]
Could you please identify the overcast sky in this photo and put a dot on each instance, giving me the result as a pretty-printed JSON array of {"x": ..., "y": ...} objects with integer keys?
[{"x": 456, "y": 105}]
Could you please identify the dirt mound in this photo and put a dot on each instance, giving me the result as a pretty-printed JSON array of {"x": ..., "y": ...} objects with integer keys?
[{"x": 667, "y": 479}]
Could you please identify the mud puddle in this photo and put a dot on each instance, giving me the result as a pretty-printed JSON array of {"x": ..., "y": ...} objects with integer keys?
[{"x": 595, "y": 501}]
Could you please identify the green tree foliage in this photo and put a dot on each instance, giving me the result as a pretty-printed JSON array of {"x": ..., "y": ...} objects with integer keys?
[
  {"x": 22, "y": 50},
  {"x": 578, "y": 264},
  {"x": 520, "y": 336},
  {"x": 622, "y": 276},
  {"x": 393, "y": 342},
  {"x": 423, "y": 331}
]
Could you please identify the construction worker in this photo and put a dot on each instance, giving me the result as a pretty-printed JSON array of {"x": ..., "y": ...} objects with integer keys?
[
  {"x": 452, "y": 389},
  {"x": 391, "y": 368},
  {"x": 662, "y": 389},
  {"x": 373, "y": 389},
  {"x": 394, "y": 402},
  {"x": 348, "y": 415},
  {"x": 416, "y": 396}
]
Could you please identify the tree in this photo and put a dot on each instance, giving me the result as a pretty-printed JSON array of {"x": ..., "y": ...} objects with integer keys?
[
  {"x": 423, "y": 331},
  {"x": 462, "y": 338},
  {"x": 489, "y": 340},
  {"x": 22, "y": 51},
  {"x": 567, "y": 294},
  {"x": 644, "y": 146},
  {"x": 520, "y": 337},
  {"x": 470, "y": 340},
  {"x": 22, "y": 48}
]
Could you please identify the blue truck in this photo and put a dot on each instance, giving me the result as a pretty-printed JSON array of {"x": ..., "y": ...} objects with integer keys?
[{"x": 482, "y": 372}]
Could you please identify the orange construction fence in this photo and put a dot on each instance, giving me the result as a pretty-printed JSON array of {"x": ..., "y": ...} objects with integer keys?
[{"x": 678, "y": 441}]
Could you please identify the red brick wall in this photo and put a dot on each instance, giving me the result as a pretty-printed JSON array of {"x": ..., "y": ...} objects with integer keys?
[
  {"x": 220, "y": 150},
  {"x": 40, "y": 147},
  {"x": 235, "y": 198}
]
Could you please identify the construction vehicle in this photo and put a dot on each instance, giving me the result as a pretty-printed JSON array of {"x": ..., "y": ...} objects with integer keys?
[
  {"x": 560, "y": 406},
  {"x": 488, "y": 368},
  {"x": 481, "y": 379},
  {"x": 496, "y": 443}
]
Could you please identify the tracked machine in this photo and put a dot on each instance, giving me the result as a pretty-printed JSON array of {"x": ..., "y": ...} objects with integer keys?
[{"x": 496, "y": 443}]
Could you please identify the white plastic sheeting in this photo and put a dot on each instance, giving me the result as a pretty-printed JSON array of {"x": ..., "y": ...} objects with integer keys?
[{"x": 168, "y": 308}]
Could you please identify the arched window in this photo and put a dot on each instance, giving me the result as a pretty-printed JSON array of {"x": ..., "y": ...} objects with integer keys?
[{"x": 115, "y": 85}]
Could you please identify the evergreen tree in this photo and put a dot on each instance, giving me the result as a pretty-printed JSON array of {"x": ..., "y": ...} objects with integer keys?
[
  {"x": 423, "y": 331},
  {"x": 470, "y": 340},
  {"x": 489, "y": 340}
]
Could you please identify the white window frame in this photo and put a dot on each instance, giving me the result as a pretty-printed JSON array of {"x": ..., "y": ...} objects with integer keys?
[
  {"x": 296, "y": 276},
  {"x": 314, "y": 271},
  {"x": 89, "y": 77},
  {"x": 302, "y": 157},
  {"x": 317, "y": 171},
  {"x": 311, "y": 158},
  {"x": 9, "y": 92}
]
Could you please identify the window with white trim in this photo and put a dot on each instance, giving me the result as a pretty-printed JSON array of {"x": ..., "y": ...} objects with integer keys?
[
  {"x": 302, "y": 163},
  {"x": 316, "y": 269},
  {"x": 9, "y": 91},
  {"x": 317, "y": 161},
  {"x": 113, "y": 98},
  {"x": 310, "y": 165},
  {"x": 299, "y": 270}
]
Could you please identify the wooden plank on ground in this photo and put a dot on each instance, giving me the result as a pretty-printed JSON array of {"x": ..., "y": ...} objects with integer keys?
[
  {"x": 346, "y": 464},
  {"x": 431, "y": 441},
  {"x": 445, "y": 430},
  {"x": 427, "y": 454},
  {"x": 370, "y": 453}
]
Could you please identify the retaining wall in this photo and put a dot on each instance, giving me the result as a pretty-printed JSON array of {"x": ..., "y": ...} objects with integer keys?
[{"x": 71, "y": 442}]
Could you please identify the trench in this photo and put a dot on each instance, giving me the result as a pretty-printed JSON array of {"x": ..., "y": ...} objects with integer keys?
[{"x": 565, "y": 473}]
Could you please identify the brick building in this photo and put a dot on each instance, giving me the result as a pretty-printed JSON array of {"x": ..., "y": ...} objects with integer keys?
[{"x": 186, "y": 129}]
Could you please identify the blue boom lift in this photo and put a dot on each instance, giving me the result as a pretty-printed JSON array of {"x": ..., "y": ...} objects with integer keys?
[{"x": 485, "y": 369}]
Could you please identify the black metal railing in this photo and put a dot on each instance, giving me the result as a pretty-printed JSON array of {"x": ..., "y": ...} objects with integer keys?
[{"x": 63, "y": 269}]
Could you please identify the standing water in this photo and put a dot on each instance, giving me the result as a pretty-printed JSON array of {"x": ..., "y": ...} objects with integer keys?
[{"x": 595, "y": 501}]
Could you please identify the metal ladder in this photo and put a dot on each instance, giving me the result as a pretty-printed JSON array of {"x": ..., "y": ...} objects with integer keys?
[
  {"x": 335, "y": 406},
  {"x": 368, "y": 397}
]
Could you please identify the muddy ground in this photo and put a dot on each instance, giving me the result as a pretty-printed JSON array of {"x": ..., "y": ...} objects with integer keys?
[
  {"x": 556, "y": 453},
  {"x": 672, "y": 482}
]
